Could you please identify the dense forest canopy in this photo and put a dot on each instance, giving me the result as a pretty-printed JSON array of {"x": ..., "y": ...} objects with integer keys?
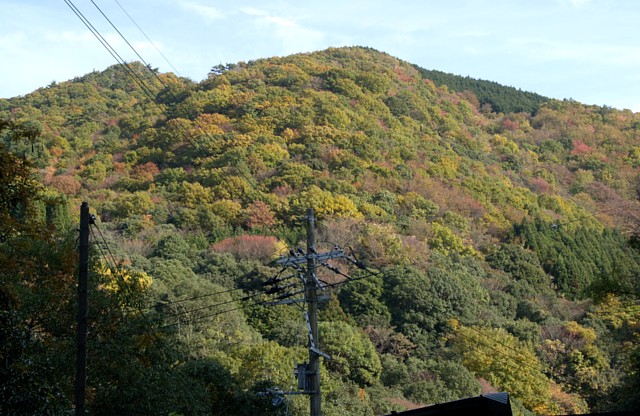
[
  {"x": 489, "y": 96},
  {"x": 498, "y": 230}
]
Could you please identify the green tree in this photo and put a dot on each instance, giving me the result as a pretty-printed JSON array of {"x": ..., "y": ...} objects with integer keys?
[
  {"x": 37, "y": 265},
  {"x": 36, "y": 313},
  {"x": 362, "y": 299},
  {"x": 18, "y": 194},
  {"x": 521, "y": 264},
  {"x": 352, "y": 353},
  {"x": 421, "y": 302}
]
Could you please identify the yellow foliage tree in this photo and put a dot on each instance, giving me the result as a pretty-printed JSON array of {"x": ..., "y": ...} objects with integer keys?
[
  {"x": 122, "y": 281},
  {"x": 325, "y": 204},
  {"x": 445, "y": 241},
  {"x": 499, "y": 358}
]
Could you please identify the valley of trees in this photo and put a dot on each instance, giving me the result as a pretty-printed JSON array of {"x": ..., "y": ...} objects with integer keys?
[{"x": 501, "y": 231}]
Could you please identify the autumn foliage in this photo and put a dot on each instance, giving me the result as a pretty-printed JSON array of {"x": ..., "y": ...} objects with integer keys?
[{"x": 487, "y": 226}]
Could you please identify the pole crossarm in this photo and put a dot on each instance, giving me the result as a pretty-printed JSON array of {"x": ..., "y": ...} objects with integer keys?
[
  {"x": 336, "y": 253},
  {"x": 322, "y": 298},
  {"x": 306, "y": 263},
  {"x": 320, "y": 353}
]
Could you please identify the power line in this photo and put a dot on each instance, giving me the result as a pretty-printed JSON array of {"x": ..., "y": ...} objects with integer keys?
[
  {"x": 109, "y": 48},
  {"x": 217, "y": 313},
  {"x": 148, "y": 66},
  {"x": 126, "y": 41},
  {"x": 126, "y": 290},
  {"x": 521, "y": 361},
  {"x": 147, "y": 37},
  {"x": 146, "y": 89},
  {"x": 517, "y": 358},
  {"x": 106, "y": 245},
  {"x": 242, "y": 299},
  {"x": 128, "y": 70},
  {"x": 203, "y": 317},
  {"x": 210, "y": 306},
  {"x": 275, "y": 280},
  {"x": 104, "y": 257},
  {"x": 124, "y": 287},
  {"x": 188, "y": 299}
]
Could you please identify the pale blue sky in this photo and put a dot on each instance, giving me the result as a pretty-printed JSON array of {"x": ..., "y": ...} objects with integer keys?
[{"x": 588, "y": 50}]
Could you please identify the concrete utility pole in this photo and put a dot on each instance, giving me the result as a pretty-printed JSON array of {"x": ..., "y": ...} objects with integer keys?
[
  {"x": 81, "y": 338},
  {"x": 309, "y": 374},
  {"x": 312, "y": 308}
]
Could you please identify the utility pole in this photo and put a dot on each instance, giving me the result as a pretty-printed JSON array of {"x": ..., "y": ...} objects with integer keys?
[
  {"x": 309, "y": 374},
  {"x": 312, "y": 308},
  {"x": 81, "y": 338}
]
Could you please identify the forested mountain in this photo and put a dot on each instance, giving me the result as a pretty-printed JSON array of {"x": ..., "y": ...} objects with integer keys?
[
  {"x": 491, "y": 95},
  {"x": 500, "y": 248}
]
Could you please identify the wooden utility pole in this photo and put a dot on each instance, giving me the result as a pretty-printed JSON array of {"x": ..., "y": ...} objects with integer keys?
[
  {"x": 312, "y": 308},
  {"x": 81, "y": 338}
]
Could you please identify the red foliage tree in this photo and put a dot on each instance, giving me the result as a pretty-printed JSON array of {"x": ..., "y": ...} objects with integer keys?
[
  {"x": 580, "y": 148},
  {"x": 66, "y": 184},
  {"x": 539, "y": 185},
  {"x": 145, "y": 171},
  {"x": 259, "y": 214}
]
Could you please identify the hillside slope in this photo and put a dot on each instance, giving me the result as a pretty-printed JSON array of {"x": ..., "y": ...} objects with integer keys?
[{"x": 506, "y": 243}]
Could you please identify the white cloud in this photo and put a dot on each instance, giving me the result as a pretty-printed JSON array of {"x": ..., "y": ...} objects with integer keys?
[
  {"x": 281, "y": 21},
  {"x": 598, "y": 54},
  {"x": 85, "y": 39},
  {"x": 145, "y": 46},
  {"x": 252, "y": 11},
  {"x": 208, "y": 12},
  {"x": 578, "y": 3},
  {"x": 69, "y": 36},
  {"x": 10, "y": 40},
  {"x": 574, "y": 3},
  {"x": 293, "y": 36}
]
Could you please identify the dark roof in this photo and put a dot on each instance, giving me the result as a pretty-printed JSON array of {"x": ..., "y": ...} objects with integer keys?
[
  {"x": 494, "y": 404},
  {"x": 609, "y": 414}
]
